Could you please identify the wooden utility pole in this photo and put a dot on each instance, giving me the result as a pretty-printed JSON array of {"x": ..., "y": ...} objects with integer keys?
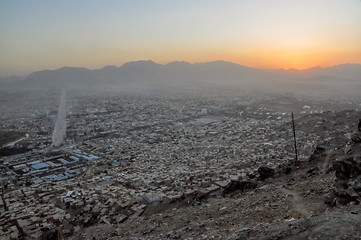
[{"x": 294, "y": 138}]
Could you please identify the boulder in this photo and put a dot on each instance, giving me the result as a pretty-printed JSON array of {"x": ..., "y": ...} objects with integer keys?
[
  {"x": 347, "y": 186},
  {"x": 239, "y": 186},
  {"x": 265, "y": 172},
  {"x": 318, "y": 154},
  {"x": 329, "y": 198}
]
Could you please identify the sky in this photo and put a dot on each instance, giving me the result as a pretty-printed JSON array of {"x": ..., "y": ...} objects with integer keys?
[{"x": 37, "y": 35}]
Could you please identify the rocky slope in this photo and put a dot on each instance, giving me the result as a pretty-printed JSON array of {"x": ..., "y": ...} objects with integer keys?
[{"x": 314, "y": 199}]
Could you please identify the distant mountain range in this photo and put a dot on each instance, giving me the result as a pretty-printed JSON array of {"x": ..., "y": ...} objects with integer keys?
[{"x": 345, "y": 78}]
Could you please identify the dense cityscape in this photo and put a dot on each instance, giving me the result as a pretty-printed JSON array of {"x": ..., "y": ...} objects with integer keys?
[{"x": 120, "y": 156}]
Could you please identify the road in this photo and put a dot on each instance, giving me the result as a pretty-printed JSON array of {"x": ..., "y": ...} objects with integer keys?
[{"x": 16, "y": 141}]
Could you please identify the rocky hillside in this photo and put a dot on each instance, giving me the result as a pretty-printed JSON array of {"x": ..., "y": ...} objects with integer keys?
[{"x": 314, "y": 199}]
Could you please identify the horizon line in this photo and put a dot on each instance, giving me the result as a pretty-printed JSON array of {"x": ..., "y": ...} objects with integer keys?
[{"x": 180, "y": 61}]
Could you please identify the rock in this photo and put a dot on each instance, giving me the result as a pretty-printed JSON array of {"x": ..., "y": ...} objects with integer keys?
[
  {"x": 339, "y": 188},
  {"x": 242, "y": 229},
  {"x": 318, "y": 154},
  {"x": 313, "y": 172},
  {"x": 223, "y": 209},
  {"x": 352, "y": 193},
  {"x": 287, "y": 169},
  {"x": 329, "y": 198},
  {"x": 356, "y": 138},
  {"x": 347, "y": 167},
  {"x": 356, "y": 185},
  {"x": 265, "y": 172},
  {"x": 341, "y": 168},
  {"x": 347, "y": 187},
  {"x": 239, "y": 186},
  {"x": 251, "y": 175},
  {"x": 348, "y": 147}
]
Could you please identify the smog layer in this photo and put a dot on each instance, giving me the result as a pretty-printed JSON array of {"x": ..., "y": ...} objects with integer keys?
[{"x": 133, "y": 157}]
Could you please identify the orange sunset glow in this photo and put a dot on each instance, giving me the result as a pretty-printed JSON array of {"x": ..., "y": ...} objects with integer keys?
[
  {"x": 260, "y": 34},
  {"x": 189, "y": 119}
]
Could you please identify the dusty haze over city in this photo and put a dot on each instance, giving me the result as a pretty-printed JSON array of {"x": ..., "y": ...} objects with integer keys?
[{"x": 180, "y": 120}]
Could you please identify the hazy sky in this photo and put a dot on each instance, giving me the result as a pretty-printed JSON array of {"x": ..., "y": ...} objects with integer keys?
[{"x": 36, "y": 35}]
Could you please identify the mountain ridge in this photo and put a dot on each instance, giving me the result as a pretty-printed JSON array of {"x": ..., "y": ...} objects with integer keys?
[
  {"x": 143, "y": 74},
  {"x": 184, "y": 63}
]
